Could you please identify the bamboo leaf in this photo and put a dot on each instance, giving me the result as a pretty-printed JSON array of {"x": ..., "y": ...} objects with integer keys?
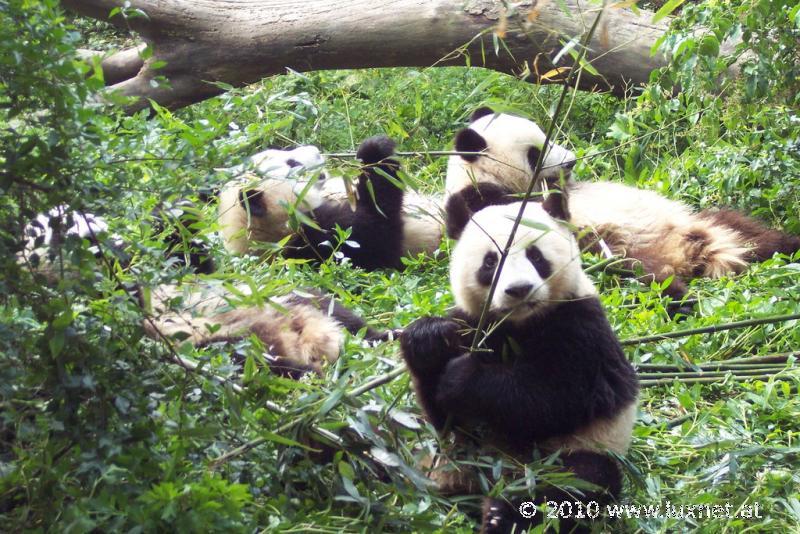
[{"x": 666, "y": 9}]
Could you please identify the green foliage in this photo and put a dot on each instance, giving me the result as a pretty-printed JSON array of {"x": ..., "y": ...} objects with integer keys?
[{"x": 100, "y": 429}]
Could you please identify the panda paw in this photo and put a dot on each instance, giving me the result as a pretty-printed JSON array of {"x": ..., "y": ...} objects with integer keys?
[
  {"x": 679, "y": 312},
  {"x": 497, "y": 517},
  {"x": 429, "y": 343},
  {"x": 375, "y": 149}
]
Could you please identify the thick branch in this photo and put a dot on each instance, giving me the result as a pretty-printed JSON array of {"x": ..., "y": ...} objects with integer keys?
[
  {"x": 123, "y": 65},
  {"x": 120, "y": 66},
  {"x": 242, "y": 42}
]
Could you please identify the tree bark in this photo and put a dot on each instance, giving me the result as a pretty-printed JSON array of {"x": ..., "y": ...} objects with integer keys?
[{"x": 239, "y": 42}]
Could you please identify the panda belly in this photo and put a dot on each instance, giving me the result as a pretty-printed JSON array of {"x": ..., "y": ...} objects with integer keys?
[
  {"x": 612, "y": 434},
  {"x": 641, "y": 214},
  {"x": 423, "y": 223},
  {"x": 666, "y": 235}
]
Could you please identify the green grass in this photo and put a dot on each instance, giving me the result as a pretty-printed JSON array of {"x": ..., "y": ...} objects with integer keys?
[
  {"x": 145, "y": 437},
  {"x": 737, "y": 441}
]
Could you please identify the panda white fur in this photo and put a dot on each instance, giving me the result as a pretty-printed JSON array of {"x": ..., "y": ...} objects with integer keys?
[
  {"x": 257, "y": 211},
  {"x": 666, "y": 237},
  {"x": 550, "y": 373},
  {"x": 281, "y": 164},
  {"x": 300, "y": 331},
  {"x": 281, "y": 175},
  {"x": 46, "y": 234}
]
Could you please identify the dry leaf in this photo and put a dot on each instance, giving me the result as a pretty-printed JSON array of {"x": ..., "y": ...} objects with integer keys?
[
  {"x": 554, "y": 72},
  {"x": 533, "y": 14}
]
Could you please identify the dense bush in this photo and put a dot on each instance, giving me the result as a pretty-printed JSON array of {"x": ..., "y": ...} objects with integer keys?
[{"x": 100, "y": 429}]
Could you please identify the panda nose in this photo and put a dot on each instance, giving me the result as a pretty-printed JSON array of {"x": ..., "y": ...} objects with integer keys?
[{"x": 519, "y": 290}]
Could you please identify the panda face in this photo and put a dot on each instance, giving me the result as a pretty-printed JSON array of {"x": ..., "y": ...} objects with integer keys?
[
  {"x": 510, "y": 147},
  {"x": 541, "y": 269}
]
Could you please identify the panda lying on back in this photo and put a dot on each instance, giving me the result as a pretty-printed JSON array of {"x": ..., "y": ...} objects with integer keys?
[
  {"x": 550, "y": 373},
  {"x": 259, "y": 213},
  {"x": 665, "y": 236}
]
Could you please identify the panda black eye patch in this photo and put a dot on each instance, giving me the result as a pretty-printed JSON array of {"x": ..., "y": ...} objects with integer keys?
[
  {"x": 533, "y": 156},
  {"x": 538, "y": 260},
  {"x": 486, "y": 270}
]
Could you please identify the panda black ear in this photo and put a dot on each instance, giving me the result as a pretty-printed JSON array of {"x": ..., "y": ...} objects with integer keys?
[
  {"x": 463, "y": 205},
  {"x": 468, "y": 140},
  {"x": 253, "y": 202},
  {"x": 458, "y": 215},
  {"x": 480, "y": 112},
  {"x": 557, "y": 201},
  {"x": 556, "y": 205}
]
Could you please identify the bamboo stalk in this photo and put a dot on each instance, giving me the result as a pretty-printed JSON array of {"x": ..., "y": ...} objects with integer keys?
[
  {"x": 601, "y": 265},
  {"x": 710, "y": 329},
  {"x": 377, "y": 381},
  {"x": 700, "y": 369},
  {"x": 741, "y": 372},
  {"x": 710, "y": 380},
  {"x": 534, "y": 178},
  {"x": 766, "y": 360},
  {"x": 676, "y": 421}
]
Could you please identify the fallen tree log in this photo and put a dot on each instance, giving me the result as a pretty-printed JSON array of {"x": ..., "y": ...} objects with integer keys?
[{"x": 198, "y": 43}]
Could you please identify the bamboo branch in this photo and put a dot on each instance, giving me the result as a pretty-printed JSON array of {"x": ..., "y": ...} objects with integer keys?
[
  {"x": 710, "y": 329},
  {"x": 676, "y": 421},
  {"x": 710, "y": 374},
  {"x": 711, "y": 380},
  {"x": 325, "y": 434},
  {"x": 576, "y": 67},
  {"x": 377, "y": 381},
  {"x": 734, "y": 363}
]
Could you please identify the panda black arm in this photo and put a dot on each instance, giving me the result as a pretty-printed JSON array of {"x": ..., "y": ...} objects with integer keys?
[
  {"x": 307, "y": 243},
  {"x": 427, "y": 345},
  {"x": 570, "y": 371},
  {"x": 377, "y": 226}
]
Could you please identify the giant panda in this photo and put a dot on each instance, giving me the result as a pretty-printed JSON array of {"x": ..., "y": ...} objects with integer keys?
[
  {"x": 300, "y": 331},
  {"x": 550, "y": 373},
  {"x": 252, "y": 213},
  {"x": 666, "y": 237},
  {"x": 52, "y": 243},
  {"x": 45, "y": 236}
]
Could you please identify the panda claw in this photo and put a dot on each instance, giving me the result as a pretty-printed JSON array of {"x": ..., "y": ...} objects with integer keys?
[{"x": 494, "y": 519}]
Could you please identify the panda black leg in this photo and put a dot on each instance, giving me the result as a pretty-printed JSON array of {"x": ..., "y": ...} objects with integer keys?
[
  {"x": 502, "y": 517},
  {"x": 498, "y": 517},
  {"x": 288, "y": 368},
  {"x": 377, "y": 223},
  {"x": 678, "y": 291}
]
